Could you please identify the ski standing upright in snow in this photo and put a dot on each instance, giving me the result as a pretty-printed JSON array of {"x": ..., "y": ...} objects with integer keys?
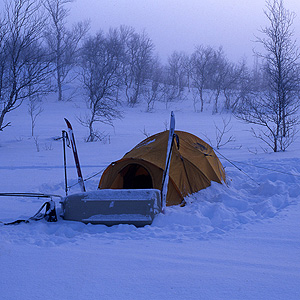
[
  {"x": 165, "y": 181},
  {"x": 76, "y": 158}
]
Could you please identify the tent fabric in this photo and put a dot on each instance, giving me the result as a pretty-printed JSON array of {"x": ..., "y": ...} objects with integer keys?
[{"x": 193, "y": 166}]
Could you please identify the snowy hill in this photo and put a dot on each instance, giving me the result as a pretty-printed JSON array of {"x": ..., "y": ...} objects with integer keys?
[{"x": 234, "y": 241}]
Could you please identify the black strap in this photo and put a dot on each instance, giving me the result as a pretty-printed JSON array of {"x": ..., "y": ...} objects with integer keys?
[{"x": 49, "y": 215}]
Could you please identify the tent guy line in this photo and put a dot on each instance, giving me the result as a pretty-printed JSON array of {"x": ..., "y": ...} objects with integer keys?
[{"x": 265, "y": 168}]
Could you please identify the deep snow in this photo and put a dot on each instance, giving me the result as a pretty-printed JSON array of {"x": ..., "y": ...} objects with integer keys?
[{"x": 234, "y": 241}]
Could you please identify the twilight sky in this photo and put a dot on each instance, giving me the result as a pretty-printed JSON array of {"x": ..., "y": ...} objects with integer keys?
[{"x": 181, "y": 24}]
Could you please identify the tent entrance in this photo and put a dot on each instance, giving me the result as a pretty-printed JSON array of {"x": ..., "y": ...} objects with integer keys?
[{"x": 136, "y": 176}]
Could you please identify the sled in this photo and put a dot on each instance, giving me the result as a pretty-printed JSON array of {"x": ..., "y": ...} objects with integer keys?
[{"x": 111, "y": 207}]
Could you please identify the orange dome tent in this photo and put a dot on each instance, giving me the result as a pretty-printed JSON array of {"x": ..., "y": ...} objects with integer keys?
[{"x": 193, "y": 166}]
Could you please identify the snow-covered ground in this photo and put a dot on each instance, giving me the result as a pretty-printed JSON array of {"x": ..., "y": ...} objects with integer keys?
[{"x": 234, "y": 241}]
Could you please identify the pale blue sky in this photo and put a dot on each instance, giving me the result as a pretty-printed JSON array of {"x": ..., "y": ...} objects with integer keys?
[{"x": 182, "y": 24}]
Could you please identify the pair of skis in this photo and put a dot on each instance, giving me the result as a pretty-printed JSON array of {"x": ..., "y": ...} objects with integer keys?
[
  {"x": 76, "y": 158},
  {"x": 165, "y": 181}
]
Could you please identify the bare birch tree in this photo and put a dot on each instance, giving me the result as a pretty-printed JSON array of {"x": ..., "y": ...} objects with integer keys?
[
  {"x": 139, "y": 57},
  {"x": 101, "y": 61},
  {"x": 202, "y": 70},
  {"x": 23, "y": 61},
  {"x": 176, "y": 69},
  {"x": 154, "y": 90},
  {"x": 63, "y": 43},
  {"x": 220, "y": 71},
  {"x": 275, "y": 109}
]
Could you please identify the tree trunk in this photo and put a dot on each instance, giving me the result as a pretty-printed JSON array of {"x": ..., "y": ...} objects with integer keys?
[
  {"x": 91, "y": 137},
  {"x": 2, "y": 120},
  {"x": 59, "y": 84}
]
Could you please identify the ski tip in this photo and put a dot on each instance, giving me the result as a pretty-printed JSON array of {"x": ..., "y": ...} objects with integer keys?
[
  {"x": 172, "y": 122},
  {"x": 68, "y": 123},
  {"x": 172, "y": 115}
]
